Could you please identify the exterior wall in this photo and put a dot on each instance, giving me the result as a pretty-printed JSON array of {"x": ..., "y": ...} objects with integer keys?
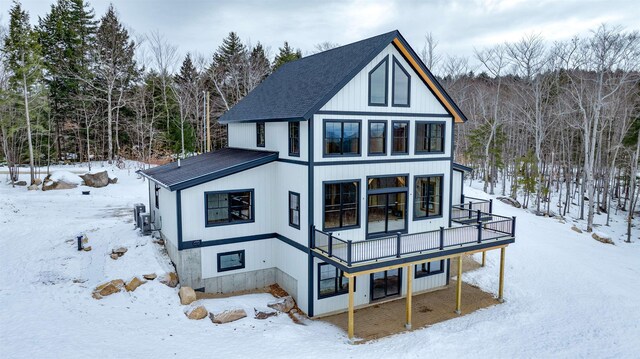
[
  {"x": 164, "y": 218},
  {"x": 456, "y": 195},
  {"x": 243, "y": 135}
]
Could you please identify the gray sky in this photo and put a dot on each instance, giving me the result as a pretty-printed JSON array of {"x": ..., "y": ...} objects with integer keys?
[{"x": 459, "y": 26}]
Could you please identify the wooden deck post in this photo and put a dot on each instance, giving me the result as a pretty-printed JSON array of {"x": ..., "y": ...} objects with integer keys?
[
  {"x": 459, "y": 286},
  {"x": 409, "y": 295},
  {"x": 484, "y": 258},
  {"x": 501, "y": 286},
  {"x": 350, "y": 316}
]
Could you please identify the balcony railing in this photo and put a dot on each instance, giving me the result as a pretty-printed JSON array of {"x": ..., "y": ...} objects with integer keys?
[
  {"x": 468, "y": 212},
  {"x": 396, "y": 246}
]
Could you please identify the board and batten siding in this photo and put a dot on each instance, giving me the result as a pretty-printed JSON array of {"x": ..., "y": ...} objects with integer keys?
[
  {"x": 456, "y": 196},
  {"x": 243, "y": 135},
  {"x": 164, "y": 218}
]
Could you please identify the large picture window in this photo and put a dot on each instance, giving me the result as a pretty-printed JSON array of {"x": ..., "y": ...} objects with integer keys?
[
  {"x": 341, "y": 205},
  {"x": 377, "y": 137},
  {"x": 429, "y": 268},
  {"x": 294, "y": 139},
  {"x": 429, "y": 137},
  {"x": 341, "y": 138},
  {"x": 400, "y": 133},
  {"x": 331, "y": 281},
  {"x": 229, "y": 207},
  {"x": 294, "y": 210},
  {"x": 230, "y": 260},
  {"x": 401, "y": 86},
  {"x": 378, "y": 84},
  {"x": 260, "y": 134},
  {"x": 428, "y": 197}
]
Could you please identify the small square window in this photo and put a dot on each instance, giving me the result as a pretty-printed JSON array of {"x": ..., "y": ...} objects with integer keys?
[
  {"x": 230, "y": 260},
  {"x": 429, "y": 268}
]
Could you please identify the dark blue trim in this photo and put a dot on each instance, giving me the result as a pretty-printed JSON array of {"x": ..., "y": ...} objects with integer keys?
[
  {"x": 427, "y": 133},
  {"x": 448, "y": 270},
  {"x": 386, "y": 191},
  {"x": 385, "y": 143},
  {"x": 255, "y": 237},
  {"x": 206, "y": 208},
  {"x": 310, "y": 194},
  {"x": 406, "y": 145},
  {"x": 338, "y": 275},
  {"x": 391, "y": 160},
  {"x": 393, "y": 86},
  {"x": 415, "y": 190},
  {"x": 241, "y": 266},
  {"x": 295, "y": 162},
  {"x": 461, "y": 168},
  {"x": 223, "y": 173},
  {"x": 386, "y": 83},
  {"x": 452, "y": 147},
  {"x": 358, "y": 189},
  {"x": 179, "y": 218},
  {"x": 342, "y": 122},
  {"x": 385, "y": 114},
  {"x": 287, "y": 119},
  {"x": 292, "y": 243}
]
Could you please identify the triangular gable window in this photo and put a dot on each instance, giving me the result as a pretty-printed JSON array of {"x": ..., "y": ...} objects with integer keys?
[
  {"x": 378, "y": 83},
  {"x": 401, "y": 85}
]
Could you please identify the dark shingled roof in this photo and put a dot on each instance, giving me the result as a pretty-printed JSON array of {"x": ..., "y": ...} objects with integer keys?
[
  {"x": 297, "y": 89},
  {"x": 207, "y": 167}
]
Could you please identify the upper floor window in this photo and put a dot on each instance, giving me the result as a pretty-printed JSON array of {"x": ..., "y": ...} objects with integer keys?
[
  {"x": 294, "y": 210},
  {"x": 429, "y": 137},
  {"x": 400, "y": 133},
  {"x": 342, "y": 138},
  {"x": 260, "y": 135},
  {"x": 341, "y": 204},
  {"x": 157, "y": 195},
  {"x": 294, "y": 139},
  {"x": 401, "y": 86},
  {"x": 428, "y": 197},
  {"x": 377, "y": 137},
  {"x": 378, "y": 84},
  {"x": 229, "y": 207}
]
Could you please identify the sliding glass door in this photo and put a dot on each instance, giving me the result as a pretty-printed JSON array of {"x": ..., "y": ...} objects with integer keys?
[{"x": 387, "y": 213}]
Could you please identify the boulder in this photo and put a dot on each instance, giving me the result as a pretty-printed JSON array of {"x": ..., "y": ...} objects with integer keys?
[
  {"x": 20, "y": 183},
  {"x": 114, "y": 256},
  {"x": 510, "y": 201},
  {"x": 264, "y": 313},
  {"x": 187, "y": 295},
  {"x": 227, "y": 316},
  {"x": 33, "y": 187},
  {"x": 58, "y": 185},
  {"x": 284, "y": 304},
  {"x": 576, "y": 229},
  {"x": 134, "y": 283},
  {"x": 601, "y": 237},
  {"x": 37, "y": 181},
  {"x": 108, "y": 288},
  {"x": 159, "y": 241},
  {"x": 97, "y": 180},
  {"x": 113, "y": 180},
  {"x": 196, "y": 313},
  {"x": 170, "y": 280},
  {"x": 151, "y": 276},
  {"x": 87, "y": 248},
  {"x": 119, "y": 251}
]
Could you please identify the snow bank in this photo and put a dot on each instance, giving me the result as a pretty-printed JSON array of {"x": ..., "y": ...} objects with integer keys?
[{"x": 65, "y": 176}]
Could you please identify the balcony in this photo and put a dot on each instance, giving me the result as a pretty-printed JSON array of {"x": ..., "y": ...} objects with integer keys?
[{"x": 474, "y": 230}]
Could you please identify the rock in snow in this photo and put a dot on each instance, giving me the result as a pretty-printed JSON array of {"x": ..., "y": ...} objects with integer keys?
[
  {"x": 509, "y": 201},
  {"x": 264, "y": 313},
  {"x": 133, "y": 284},
  {"x": 284, "y": 304},
  {"x": 227, "y": 316},
  {"x": 97, "y": 180},
  {"x": 576, "y": 229},
  {"x": 108, "y": 288},
  {"x": 170, "y": 279},
  {"x": 602, "y": 237},
  {"x": 151, "y": 276},
  {"x": 119, "y": 251},
  {"x": 196, "y": 313},
  {"x": 187, "y": 295}
]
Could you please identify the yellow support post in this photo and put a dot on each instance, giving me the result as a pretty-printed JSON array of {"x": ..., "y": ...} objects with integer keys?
[
  {"x": 459, "y": 286},
  {"x": 484, "y": 258},
  {"x": 350, "y": 316},
  {"x": 409, "y": 295},
  {"x": 501, "y": 285}
]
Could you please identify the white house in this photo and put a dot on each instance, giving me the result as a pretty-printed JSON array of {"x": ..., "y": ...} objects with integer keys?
[{"x": 338, "y": 184}]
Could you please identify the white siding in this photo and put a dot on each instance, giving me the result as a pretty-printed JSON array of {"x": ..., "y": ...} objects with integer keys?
[
  {"x": 164, "y": 218},
  {"x": 293, "y": 262},
  {"x": 258, "y": 255},
  {"x": 457, "y": 187},
  {"x": 243, "y": 135}
]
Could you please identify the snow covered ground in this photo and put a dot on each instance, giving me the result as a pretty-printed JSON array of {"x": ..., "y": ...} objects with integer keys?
[{"x": 567, "y": 295}]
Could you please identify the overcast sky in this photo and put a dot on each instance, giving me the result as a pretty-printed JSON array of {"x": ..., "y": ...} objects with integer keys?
[{"x": 459, "y": 26}]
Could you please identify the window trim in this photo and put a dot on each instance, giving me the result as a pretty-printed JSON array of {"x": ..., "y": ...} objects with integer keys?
[
  {"x": 264, "y": 134},
  {"x": 342, "y": 122},
  {"x": 384, "y": 139},
  {"x": 336, "y": 292},
  {"x": 393, "y": 84},
  {"x": 241, "y": 266},
  {"x": 253, "y": 206},
  {"x": 396, "y": 153},
  {"x": 358, "y": 209},
  {"x": 293, "y": 154},
  {"x": 413, "y": 204},
  {"x": 429, "y": 273},
  {"x": 157, "y": 196},
  {"x": 385, "y": 61},
  {"x": 291, "y": 224},
  {"x": 444, "y": 136}
]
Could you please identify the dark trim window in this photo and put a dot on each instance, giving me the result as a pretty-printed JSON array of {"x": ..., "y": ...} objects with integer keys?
[
  {"x": 294, "y": 209},
  {"x": 229, "y": 207},
  {"x": 429, "y": 268},
  {"x": 378, "y": 84},
  {"x": 341, "y": 137},
  {"x": 429, "y": 137},
  {"x": 260, "y": 134},
  {"x": 428, "y": 197},
  {"x": 400, "y": 137},
  {"x": 401, "y": 92},
  {"x": 294, "y": 138},
  {"x": 341, "y": 205},
  {"x": 230, "y": 260},
  {"x": 331, "y": 281},
  {"x": 377, "y": 138},
  {"x": 157, "y": 196}
]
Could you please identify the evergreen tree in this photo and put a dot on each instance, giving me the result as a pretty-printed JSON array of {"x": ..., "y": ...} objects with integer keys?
[
  {"x": 23, "y": 60},
  {"x": 260, "y": 67},
  {"x": 286, "y": 54}
]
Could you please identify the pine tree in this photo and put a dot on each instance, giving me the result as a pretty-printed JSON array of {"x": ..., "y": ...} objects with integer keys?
[
  {"x": 286, "y": 54},
  {"x": 259, "y": 65},
  {"x": 23, "y": 60}
]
